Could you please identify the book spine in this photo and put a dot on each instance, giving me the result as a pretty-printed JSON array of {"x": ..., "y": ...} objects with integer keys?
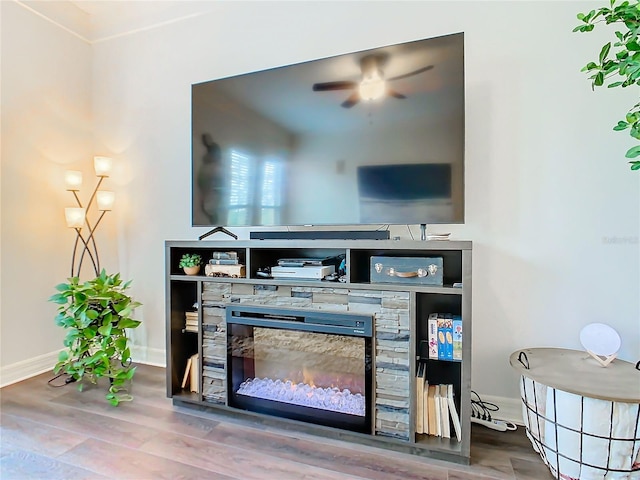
[
  {"x": 425, "y": 407},
  {"x": 214, "y": 261},
  {"x": 420, "y": 399},
  {"x": 444, "y": 413},
  {"x": 457, "y": 337},
  {"x": 453, "y": 413},
  {"x": 195, "y": 373},
  {"x": 431, "y": 413},
  {"x": 445, "y": 337},
  {"x": 448, "y": 337},
  {"x": 432, "y": 326},
  {"x": 438, "y": 410}
]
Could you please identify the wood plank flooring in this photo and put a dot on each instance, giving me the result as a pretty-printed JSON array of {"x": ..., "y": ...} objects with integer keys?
[{"x": 61, "y": 433}]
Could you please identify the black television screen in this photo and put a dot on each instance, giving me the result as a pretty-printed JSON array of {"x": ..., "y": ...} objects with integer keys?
[{"x": 371, "y": 137}]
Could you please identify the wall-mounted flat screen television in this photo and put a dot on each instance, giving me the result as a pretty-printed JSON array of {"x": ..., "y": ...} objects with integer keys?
[{"x": 370, "y": 137}]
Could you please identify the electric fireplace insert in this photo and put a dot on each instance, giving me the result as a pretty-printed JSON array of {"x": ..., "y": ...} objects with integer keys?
[{"x": 312, "y": 366}]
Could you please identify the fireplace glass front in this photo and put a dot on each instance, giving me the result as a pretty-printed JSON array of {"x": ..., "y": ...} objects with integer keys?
[{"x": 308, "y": 366}]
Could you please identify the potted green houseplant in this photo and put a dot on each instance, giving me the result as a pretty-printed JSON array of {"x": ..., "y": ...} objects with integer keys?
[
  {"x": 96, "y": 315},
  {"x": 618, "y": 64},
  {"x": 190, "y": 263}
]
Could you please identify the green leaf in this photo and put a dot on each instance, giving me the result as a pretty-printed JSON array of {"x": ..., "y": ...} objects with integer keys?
[
  {"x": 604, "y": 52},
  {"x": 62, "y": 287},
  {"x": 105, "y": 330},
  {"x": 121, "y": 343},
  {"x": 635, "y": 165},
  {"x": 63, "y": 356},
  {"x": 599, "y": 79},
  {"x": 633, "y": 46},
  {"x": 633, "y": 152},
  {"x": 58, "y": 298},
  {"x": 128, "y": 323}
]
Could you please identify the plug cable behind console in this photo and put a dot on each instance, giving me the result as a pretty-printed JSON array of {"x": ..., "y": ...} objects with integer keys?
[{"x": 481, "y": 414}]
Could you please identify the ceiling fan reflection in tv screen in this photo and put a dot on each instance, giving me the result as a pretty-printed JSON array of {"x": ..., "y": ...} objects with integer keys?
[{"x": 369, "y": 137}]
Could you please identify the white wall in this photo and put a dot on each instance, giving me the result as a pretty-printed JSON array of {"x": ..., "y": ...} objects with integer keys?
[
  {"x": 552, "y": 207},
  {"x": 46, "y": 129}
]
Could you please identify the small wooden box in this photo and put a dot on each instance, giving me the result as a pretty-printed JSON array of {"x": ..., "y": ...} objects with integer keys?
[
  {"x": 235, "y": 271},
  {"x": 408, "y": 270}
]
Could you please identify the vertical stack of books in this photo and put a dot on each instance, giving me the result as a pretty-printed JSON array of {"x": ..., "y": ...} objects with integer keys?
[
  {"x": 191, "y": 322},
  {"x": 191, "y": 373},
  {"x": 435, "y": 408}
]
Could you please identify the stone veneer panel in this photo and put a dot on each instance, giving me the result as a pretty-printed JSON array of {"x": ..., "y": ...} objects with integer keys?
[
  {"x": 214, "y": 341},
  {"x": 391, "y": 339}
]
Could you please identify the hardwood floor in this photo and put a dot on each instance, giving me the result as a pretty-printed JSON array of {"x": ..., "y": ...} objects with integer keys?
[{"x": 61, "y": 433}]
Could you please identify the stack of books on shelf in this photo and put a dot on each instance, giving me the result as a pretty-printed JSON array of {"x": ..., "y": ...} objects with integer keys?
[
  {"x": 435, "y": 408},
  {"x": 191, "y": 322},
  {"x": 191, "y": 375},
  {"x": 445, "y": 336},
  {"x": 224, "y": 264}
]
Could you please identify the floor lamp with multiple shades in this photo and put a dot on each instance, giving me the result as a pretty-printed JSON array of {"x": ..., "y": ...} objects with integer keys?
[{"x": 78, "y": 217}]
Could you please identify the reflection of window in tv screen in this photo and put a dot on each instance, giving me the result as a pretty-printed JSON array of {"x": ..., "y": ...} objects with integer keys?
[{"x": 405, "y": 182}]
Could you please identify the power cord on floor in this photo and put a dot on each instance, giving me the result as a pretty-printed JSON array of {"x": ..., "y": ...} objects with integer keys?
[
  {"x": 69, "y": 379},
  {"x": 481, "y": 414}
]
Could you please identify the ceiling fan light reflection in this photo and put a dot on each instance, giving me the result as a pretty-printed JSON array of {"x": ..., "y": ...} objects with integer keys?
[{"x": 372, "y": 88}]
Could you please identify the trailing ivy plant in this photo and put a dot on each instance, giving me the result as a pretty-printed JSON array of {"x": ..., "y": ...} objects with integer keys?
[
  {"x": 96, "y": 315},
  {"x": 618, "y": 64}
]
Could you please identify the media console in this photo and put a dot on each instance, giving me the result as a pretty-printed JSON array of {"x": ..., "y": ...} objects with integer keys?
[{"x": 337, "y": 359}]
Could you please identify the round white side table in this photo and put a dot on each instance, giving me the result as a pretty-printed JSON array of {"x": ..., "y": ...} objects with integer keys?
[{"x": 582, "y": 418}]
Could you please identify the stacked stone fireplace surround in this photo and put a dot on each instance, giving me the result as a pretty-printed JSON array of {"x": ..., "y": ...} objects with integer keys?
[{"x": 390, "y": 311}]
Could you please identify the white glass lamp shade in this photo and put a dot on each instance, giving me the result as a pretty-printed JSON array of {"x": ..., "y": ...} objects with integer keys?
[
  {"x": 372, "y": 88},
  {"x": 105, "y": 200},
  {"x": 73, "y": 179},
  {"x": 74, "y": 216},
  {"x": 102, "y": 166}
]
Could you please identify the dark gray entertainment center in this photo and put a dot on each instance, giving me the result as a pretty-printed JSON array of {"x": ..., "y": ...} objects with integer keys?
[{"x": 379, "y": 328}]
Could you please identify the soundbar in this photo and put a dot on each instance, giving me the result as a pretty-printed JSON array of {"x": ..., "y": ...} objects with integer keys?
[{"x": 322, "y": 235}]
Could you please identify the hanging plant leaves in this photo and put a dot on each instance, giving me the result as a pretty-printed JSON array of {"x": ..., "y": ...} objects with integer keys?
[{"x": 96, "y": 315}]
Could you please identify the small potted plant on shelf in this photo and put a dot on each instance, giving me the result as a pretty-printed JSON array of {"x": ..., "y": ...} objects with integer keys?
[{"x": 190, "y": 263}]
